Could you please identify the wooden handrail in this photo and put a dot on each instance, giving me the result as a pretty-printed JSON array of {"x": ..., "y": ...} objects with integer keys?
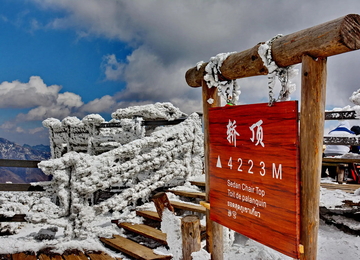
[
  {"x": 146, "y": 123},
  {"x": 343, "y": 160},
  {"x": 19, "y": 163},
  {"x": 331, "y": 38},
  {"x": 20, "y": 187},
  {"x": 340, "y": 115}
]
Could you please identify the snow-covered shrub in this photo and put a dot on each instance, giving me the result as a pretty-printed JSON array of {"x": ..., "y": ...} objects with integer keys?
[{"x": 164, "y": 111}]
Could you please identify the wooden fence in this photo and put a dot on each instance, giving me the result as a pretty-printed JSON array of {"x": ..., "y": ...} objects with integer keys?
[
  {"x": 18, "y": 187},
  {"x": 26, "y": 187}
]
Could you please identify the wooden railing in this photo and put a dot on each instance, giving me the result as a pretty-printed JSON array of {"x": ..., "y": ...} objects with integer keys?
[
  {"x": 18, "y": 186},
  {"x": 18, "y": 163},
  {"x": 341, "y": 163}
]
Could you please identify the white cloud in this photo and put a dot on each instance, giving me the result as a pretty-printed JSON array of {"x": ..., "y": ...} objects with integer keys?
[
  {"x": 19, "y": 129},
  {"x": 25, "y": 95},
  {"x": 36, "y": 130},
  {"x": 70, "y": 100},
  {"x": 66, "y": 104},
  {"x": 112, "y": 68},
  {"x": 8, "y": 125},
  {"x": 99, "y": 105}
]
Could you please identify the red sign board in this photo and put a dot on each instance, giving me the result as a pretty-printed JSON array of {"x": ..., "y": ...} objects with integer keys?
[{"x": 254, "y": 172}]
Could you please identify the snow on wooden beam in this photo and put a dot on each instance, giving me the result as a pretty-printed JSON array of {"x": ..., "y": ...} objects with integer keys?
[{"x": 331, "y": 38}]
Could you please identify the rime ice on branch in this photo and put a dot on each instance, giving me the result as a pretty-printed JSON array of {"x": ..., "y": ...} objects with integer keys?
[{"x": 168, "y": 156}]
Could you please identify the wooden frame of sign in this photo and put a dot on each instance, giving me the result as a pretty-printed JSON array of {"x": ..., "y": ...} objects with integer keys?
[
  {"x": 311, "y": 47},
  {"x": 254, "y": 172}
]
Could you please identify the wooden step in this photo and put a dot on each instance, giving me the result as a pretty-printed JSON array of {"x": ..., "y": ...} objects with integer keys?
[
  {"x": 52, "y": 256},
  {"x": 23, "y": 256},
  {"x": 198, "y": 183},
  {"x": 132, "y": 248},
  {"x": 349, "y": 188},
  {"x": 145, "y": 231},
  {"x": 188, "y": 206},
  {"x": 77, "y": 256},
  {"x": 101, "y": 256},
  {"x": 198, "y": 195},
  {"x": 153, "y": 215}
]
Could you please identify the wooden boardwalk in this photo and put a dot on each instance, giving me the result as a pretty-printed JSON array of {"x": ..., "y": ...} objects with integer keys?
[
  {"x": 349, "y": 188},
  {"x": 75, "y": 255}
]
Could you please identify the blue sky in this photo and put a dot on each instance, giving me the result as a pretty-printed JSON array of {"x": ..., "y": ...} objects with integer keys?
[{"x": 63, "y": 58}]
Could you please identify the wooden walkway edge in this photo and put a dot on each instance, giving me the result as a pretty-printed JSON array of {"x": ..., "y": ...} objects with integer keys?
[{"x": 52, "y": 256}]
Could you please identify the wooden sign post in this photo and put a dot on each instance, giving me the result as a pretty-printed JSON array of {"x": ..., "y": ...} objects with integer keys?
[
  {"x": 311, "y": 47},
  {"x": 254, "y": 173}
]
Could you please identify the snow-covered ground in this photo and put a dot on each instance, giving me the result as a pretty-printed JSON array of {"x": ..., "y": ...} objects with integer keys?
[{"x": 332, "y": 243}]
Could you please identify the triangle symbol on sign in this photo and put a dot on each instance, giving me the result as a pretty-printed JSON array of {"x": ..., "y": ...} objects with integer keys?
[{"x": 218, "y": 164}]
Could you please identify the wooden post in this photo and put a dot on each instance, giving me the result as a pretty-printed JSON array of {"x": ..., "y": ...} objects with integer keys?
[
  {"x": 214, "y": 231},
  {"x": 311, "y": 46},
  {"x": 190, "y": 231},
  {"x": 313, "y": 88},
  {"x": 331, "y": 38},
  {"x": 161, "y": 202}
]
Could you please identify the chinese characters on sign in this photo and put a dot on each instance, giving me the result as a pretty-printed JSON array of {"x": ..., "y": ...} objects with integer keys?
[
  {"x": 231, "y": 132},
  {"x": 254, "y": 177}
]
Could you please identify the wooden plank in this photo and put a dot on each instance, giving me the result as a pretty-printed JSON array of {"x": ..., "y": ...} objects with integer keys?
[
  {"x": 19, "y": 163},
  {"x": 350, "y": 188},
  {"x": 313, "y": 89},
  {"x": 100, "y": 256},
  {"x": 340, "y": 160},
  {"x": 148, "y": 214},
  {"x": 145, "y": 231},
  {"x": 163, "y": 122},
  {"x": 335, "y": 140},
  {"x": 15, "y": 218},
  {"x": 20, "y": 187},
  {"x": 189, "y": 207},
  {"x": 198, "y": 183},
  {"x": 340, "y": 115},
  {"x": 132, "y": 248},
  {"x": 75, "y": 256},
  {"x": 324, "y": 40},
  {"x": 23, "y": 256},
  {"x": 198, "y": 195},
  {"x": 51, "y": 256},
  {"x": 145, "y": 123}
]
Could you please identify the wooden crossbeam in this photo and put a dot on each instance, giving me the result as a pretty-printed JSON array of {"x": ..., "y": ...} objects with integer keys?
[
  {"x": 146, "y": 123},
  {"x": 331, "y": 38},
  {"x": 334, "y": 140},
  {"x": 340, "y": 115},
  {"x": 19, "y": 163},
  {"x": 19, "y": 187}
]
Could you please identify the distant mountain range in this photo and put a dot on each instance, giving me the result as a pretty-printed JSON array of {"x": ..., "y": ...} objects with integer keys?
[{"x": 10, "y": 150}]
